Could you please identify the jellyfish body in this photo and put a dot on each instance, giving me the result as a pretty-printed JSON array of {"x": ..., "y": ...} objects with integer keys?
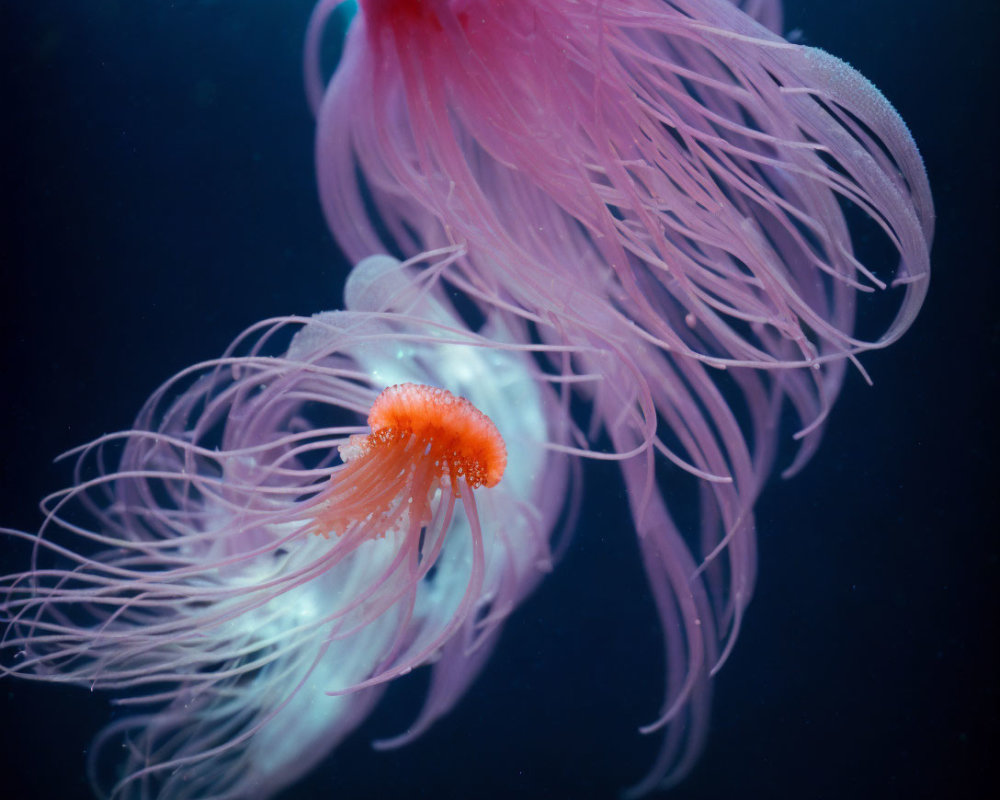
[
  {"x": 702, "y": 209},
  {"x": 258, "y": 563}
]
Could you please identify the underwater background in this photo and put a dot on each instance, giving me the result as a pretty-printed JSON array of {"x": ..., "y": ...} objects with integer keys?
[{"x": 159, "y": 183}]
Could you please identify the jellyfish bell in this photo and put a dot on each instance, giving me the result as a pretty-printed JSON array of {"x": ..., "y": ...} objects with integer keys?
[
  {"x": 248, "y": 566},
  {"x": 421, "y": 436}
]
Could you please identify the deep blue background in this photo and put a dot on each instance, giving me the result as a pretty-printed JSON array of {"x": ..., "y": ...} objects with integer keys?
[{"x": 157, "y": 171}]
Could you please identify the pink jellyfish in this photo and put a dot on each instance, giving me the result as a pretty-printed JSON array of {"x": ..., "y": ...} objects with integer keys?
[
  {"x": 718, "y": 220},
  {"x": 249, "y": 565}
]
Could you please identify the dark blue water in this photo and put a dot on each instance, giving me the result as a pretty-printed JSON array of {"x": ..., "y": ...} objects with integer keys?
[{"x": 157, "y": 172}]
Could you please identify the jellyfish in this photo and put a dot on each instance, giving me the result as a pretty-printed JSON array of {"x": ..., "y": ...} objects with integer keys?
[
  {"x": 676, "y": 162},
  {"x": 285, "y": 529},
  {"x": 717, "y": 221}
]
